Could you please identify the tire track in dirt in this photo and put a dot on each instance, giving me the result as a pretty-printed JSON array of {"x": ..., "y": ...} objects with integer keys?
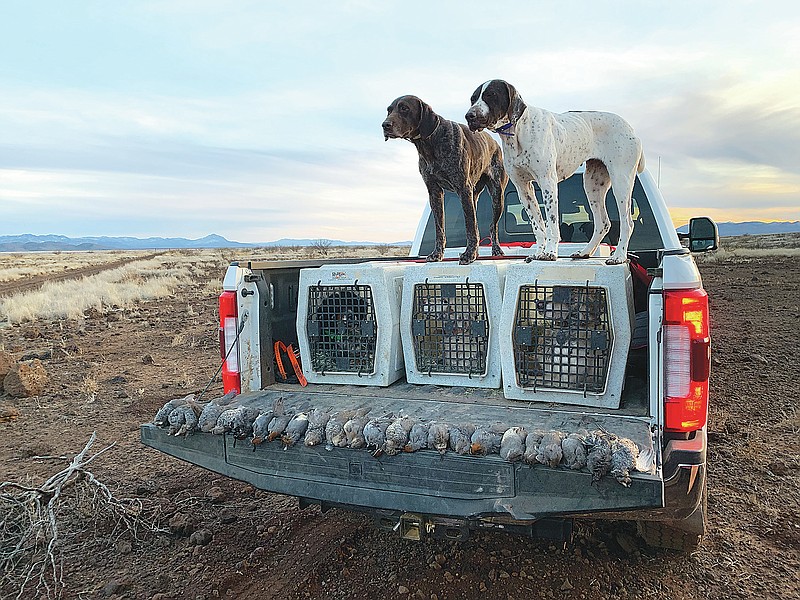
[
  {"x": 29, "y": 284},
  {"x": 313, "y": 541}
]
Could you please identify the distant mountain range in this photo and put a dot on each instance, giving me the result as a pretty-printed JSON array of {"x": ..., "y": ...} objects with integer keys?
[
  {"x": 53, "y": 243},
  {"x": 728, "y": 229},
  {"x": 43, "y": 243}
]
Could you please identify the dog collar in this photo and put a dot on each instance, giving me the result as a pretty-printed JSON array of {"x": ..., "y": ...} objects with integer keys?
[
  {"x": 419, "y": 137},
  {"x": 504, "y": 129}
]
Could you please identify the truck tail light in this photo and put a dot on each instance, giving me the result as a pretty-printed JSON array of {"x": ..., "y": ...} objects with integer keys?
[
  {"x": 228, "y": 345},
  {"x": 687, "y": 360}
]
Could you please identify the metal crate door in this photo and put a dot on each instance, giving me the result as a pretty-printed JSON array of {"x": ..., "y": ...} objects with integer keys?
[
  {"x": 562, "y": 338},
  {"x": 341, "y": 328},
  {"x": 450, "y": 328}
]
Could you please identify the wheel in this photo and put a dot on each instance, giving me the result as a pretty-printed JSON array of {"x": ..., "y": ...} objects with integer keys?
[
  {"x": 681, "y": 536},
  {"x": 662, "y": 535}
]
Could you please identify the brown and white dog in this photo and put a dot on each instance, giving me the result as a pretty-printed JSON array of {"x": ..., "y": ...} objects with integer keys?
[
  {"x": 453, "y": 158},
  {"x": 546, "y": 147}
]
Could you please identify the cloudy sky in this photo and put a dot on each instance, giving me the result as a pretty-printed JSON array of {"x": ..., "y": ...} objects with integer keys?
[{"x": 260, "y": 120}]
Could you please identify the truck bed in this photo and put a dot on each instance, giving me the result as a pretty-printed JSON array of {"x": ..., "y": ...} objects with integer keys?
[{"x": 423, "y": 482}]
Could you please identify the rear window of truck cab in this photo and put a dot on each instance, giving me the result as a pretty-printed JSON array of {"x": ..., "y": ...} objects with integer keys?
[{"x": 575, "y": 218}]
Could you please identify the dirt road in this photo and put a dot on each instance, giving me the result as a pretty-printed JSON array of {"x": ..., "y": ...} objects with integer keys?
[
  {"x": 265, "y": 546},
  {"x": 27, "y": 284}
]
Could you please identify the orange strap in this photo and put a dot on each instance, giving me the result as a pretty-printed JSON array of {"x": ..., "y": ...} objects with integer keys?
[
  {"x": 292, "y": 354},
  {"x": 277, "y": 351}
]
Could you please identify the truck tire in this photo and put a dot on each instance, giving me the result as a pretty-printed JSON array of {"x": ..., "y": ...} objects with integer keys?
[
  {"x": 681, "y": 536},
  {"x": 663, "y": 536}
]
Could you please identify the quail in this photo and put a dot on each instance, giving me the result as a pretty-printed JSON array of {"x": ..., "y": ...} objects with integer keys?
[
  {"x": 439, "y": 437},
  {"x": 397, "y": 435},
  {"x": 574, "y": 451},
  {"x": 211, "y": 412},
  {"x": 512, "y": 444},
  {"x": 279, "y": 420},
  {"x": 182, "y": 420},
  {"x": 532, "y": 441},
  {"x": 549, "y": 452},
  {"x": 295, "y": 430},
  {"x": 162, "y": 416},
  {"x": 260, "y": 426},
  {"x": 486, "y": 440},
  {"x": 262, "y": 421},
  {"x": 243, "y": 418},
  {"x": 354, "y": 431},
  {"x": 317, "y": 420},
  {"x": 417, "y": 437},
  {"x": 598, "y": 461},
  {"x": 624, "y": 453},
  {"x": 334, "y": 429},
  {"x": 375, "y": 433},
  {"x": 460, "y": 438},
  {"x": 225, "y": 421}
]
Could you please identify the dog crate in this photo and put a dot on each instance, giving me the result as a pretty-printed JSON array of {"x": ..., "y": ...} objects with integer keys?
[
  {"x": 450, "y": 315},
  {"x": 566, "y": 330},
  {"x": 348, "y": 323}
]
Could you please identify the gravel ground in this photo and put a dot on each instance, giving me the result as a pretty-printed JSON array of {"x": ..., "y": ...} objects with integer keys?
[{"x": 225, "y": 539}]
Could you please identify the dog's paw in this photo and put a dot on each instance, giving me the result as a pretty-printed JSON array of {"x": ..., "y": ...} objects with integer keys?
[
  {"x": 579, "y": 255},
  {"x": 434, "y": 257},
  {"x": 467, "y": 257},
  {"x": 615, "y": 260},
  {"x": 542, "y": 256},
  {"x": 498, "y": 251}
]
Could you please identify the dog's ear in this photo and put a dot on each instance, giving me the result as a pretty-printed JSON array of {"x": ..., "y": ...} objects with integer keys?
[
  {"x": 516, "y": 106},
  {"x": 428, "y": 120}
]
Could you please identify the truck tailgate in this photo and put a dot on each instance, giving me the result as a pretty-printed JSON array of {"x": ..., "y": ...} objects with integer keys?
[{"x": 423, "y": 482}]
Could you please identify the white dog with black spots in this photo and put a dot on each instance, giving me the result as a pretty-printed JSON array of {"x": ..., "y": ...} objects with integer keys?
[{"x": 547, "y": 147}]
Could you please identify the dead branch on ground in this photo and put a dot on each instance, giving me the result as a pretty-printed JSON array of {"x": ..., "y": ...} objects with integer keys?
[{"x": 32, "y": 543}]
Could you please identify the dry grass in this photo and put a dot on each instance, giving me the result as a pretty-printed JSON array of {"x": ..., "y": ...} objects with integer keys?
[
  {"x": 138, "y": 281},
  {"x": 89, "y": 388},
  {"x": 775, "y": 240},
  {"x": 744, "y": 254},
  {"x": 184, "y": 340},
  {"x": 18, "y": 265},
  {"x": 121, "y": 287}
]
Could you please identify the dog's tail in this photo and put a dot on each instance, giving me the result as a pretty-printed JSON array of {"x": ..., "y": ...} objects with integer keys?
[{"x": 640, "y": 166}]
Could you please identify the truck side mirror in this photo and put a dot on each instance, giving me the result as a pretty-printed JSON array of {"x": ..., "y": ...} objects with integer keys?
[{"x": 703, "y": 234}]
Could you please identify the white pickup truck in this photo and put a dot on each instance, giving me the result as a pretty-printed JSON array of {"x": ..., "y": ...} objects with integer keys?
[{"x": 637, "y": 373}]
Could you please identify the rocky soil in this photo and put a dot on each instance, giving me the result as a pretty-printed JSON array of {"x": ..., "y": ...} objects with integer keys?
[{"x": 224, "y": 539}]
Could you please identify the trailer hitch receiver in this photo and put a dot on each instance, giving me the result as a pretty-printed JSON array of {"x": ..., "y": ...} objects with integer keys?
[{"x": 415, "y": 527}]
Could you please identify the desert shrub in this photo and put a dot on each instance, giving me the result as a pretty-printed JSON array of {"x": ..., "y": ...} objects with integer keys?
[{"x": 321, "y": 246}]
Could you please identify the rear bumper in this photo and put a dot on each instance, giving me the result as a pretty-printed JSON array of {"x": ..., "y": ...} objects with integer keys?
[
  {"x": 684, "y": 469},
  {"x": 460, "y": 487}
]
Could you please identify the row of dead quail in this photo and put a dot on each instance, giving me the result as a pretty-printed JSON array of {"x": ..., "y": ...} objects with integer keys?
[{"x": 600, "y": 452}]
